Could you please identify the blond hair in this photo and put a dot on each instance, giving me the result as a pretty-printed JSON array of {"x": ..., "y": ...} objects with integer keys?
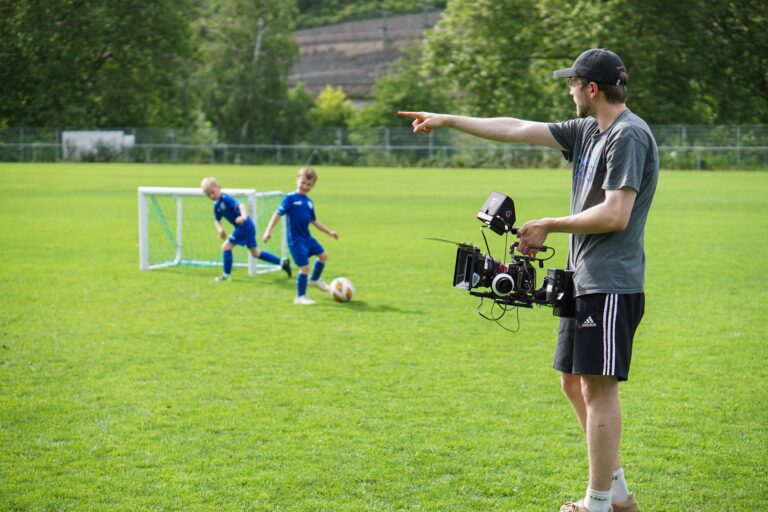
[
  {"x": 208, "y": 183},
  {"x": 308, "y": 173}
]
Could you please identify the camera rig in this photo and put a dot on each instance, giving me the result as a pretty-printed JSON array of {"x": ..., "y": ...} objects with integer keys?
[{"x": 510, "y": 284}]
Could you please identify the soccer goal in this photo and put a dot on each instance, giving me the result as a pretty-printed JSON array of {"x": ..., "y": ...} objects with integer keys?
[{"x": 176, "y": 228}]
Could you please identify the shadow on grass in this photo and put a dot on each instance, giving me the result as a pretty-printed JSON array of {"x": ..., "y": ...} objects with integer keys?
[
  {"x": 281, "y": 281},
  {"x": 361, "y": 306},
  {"x": 239, "y": 276}
]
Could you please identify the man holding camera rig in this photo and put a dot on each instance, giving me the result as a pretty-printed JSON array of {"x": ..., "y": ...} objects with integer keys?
[{"x": 615, "y": 171}]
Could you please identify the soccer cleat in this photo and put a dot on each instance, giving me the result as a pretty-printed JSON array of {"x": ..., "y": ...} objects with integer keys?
[
  {"x": 222, "y": 277},
  {"x": 303, "y": 300},
  {"x": 320, "y": 284},
  {"x": 630, "y": 505},
  {"x": 286, "y": 266}
]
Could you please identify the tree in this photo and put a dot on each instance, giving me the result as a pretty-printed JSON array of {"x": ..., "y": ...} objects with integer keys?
[
  {"x": 734, "y": 77},
  {"x": 652, "y": 37},
  {"x": 247, "y": 52},
  {"x": 294, "y": 118},
  {"x": 405, "y": 86},
  {"x": 332, "y": 108},
  {"x": 484, "y": 50},
  {"x": 689, "y": 61},
  {"x": 87, "y": 63}
]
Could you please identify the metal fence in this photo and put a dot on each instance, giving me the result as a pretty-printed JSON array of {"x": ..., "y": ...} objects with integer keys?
[{"x": 680, "y": 147}]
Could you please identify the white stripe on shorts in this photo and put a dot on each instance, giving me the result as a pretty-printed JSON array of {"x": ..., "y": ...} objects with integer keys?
[
  {"x": 609, "y": 333},
  {"x": 613, "y": 333}
]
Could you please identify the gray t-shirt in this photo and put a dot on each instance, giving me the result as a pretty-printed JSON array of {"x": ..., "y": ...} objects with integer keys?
[{"x": 625, "y": 155}]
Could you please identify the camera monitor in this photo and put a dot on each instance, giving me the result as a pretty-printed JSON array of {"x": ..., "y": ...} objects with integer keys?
[{"x": 498, "y": 212}]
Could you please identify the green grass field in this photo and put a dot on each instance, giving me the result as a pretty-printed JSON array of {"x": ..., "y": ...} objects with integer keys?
[{"x": 162, "y": 390}]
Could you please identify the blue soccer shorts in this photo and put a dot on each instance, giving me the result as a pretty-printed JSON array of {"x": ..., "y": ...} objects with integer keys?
[
  {"x": 244, "y": 234},
  {"x": 301, "y": 250}
]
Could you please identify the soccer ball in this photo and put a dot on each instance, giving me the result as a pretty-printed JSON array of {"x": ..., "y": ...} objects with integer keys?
[{"x": 341, "y": 289}]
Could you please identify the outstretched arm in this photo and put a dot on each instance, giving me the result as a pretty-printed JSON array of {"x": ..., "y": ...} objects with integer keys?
[
  {"x": 325, "y": 230},
  {"x": 270, "y": 227},
  {"x": 501, "y": 129}
]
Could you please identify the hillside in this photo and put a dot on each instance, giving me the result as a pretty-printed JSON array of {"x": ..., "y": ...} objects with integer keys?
[
  {"x": 355, "y": 54},
  {"x": 321, "y": 13}
]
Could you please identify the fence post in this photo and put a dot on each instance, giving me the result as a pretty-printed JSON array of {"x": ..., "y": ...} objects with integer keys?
[
  {"x": 21, "y": 146},
  {"x": 431, "y": 141},
  {"x": 738, "y": 145},
  {"x": 175, "y": 147},
  {"x": 386, "y": 141}
]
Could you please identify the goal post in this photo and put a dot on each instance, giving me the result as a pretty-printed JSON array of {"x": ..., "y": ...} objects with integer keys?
[{"x": 176, "y": 228}]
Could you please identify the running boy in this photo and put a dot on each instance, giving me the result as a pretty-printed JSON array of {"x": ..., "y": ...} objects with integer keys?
[
  {"x": 244, "y": 233},
  {"x": 301, "y": 213}
]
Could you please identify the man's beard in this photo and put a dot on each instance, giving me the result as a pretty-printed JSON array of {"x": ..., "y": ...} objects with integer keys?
[{"x": 583, "y": 110}]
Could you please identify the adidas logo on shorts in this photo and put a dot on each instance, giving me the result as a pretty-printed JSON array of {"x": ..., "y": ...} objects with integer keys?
[{"x": 589, "y": 322}]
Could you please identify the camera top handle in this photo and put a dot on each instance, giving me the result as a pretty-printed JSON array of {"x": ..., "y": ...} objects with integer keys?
[{"x": 525, "y": 257}]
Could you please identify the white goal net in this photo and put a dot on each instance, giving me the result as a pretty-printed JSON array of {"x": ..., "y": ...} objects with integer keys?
[{"x": 176, "y": 228}]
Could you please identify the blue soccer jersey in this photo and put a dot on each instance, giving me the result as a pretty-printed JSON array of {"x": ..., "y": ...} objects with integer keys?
[
  {"x": 300, "y": 212},
  {"x": 244, "y": 234},
  {"x": 226, "y": 207}
]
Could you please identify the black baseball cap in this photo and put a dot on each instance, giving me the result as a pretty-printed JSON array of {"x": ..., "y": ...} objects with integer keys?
[{"x": 599, "y": 65}]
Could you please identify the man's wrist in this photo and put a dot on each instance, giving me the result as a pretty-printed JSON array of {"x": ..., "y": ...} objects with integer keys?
[{"x": 552, "y": 224}]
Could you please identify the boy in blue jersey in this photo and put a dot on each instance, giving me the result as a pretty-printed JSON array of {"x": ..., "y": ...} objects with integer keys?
[
  {"x": 300, "y": 213},
  {"x": 225, "y": 206}
]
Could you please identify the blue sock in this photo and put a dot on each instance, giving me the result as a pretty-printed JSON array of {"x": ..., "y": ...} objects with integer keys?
[
  {"x": 268, "y": 256},
  {"x": 301, "y": 284},
  {"x": 317, "y": 270},
  {"x": 227, "y": 262}
]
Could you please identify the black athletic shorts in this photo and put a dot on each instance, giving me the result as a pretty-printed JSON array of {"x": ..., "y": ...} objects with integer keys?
[{"x": 599, "y": 340}]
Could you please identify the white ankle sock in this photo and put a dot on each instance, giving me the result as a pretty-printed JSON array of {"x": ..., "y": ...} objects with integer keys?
[
  {"x": 598, "y": 501},
  {"x": 619, "y": 489}
]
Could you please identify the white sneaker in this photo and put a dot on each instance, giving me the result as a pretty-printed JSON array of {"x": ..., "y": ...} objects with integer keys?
[
  {"x": 320, "y": 284},
  {"x": 304, "y": 300},
  {"x": 222, "y": 277}
]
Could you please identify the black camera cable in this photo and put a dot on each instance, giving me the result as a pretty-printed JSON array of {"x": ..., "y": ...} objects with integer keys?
[{"x": 497, "y": 319}]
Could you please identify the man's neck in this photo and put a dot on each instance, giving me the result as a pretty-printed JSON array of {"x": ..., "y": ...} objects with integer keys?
[{"x": 608, "y": 114}]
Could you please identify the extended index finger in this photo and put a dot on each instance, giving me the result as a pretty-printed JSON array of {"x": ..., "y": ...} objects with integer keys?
[{"x": 414, "y": 115}]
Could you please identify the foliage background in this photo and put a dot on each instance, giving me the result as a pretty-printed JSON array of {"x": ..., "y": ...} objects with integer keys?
[
  {"x": 90, "y": 63},
  {"x": 689, "y": 62},
  {"x": 82, "y": 64}
]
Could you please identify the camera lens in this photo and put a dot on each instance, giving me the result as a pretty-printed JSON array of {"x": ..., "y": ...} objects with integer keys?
[{"x": 502, "y": 285}]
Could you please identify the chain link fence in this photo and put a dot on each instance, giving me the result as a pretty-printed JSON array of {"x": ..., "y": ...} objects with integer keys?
[{"x": 680, "y": 147}]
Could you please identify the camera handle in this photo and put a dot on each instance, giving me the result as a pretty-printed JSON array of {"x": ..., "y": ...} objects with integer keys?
[{"x": 540, "y": 261}]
